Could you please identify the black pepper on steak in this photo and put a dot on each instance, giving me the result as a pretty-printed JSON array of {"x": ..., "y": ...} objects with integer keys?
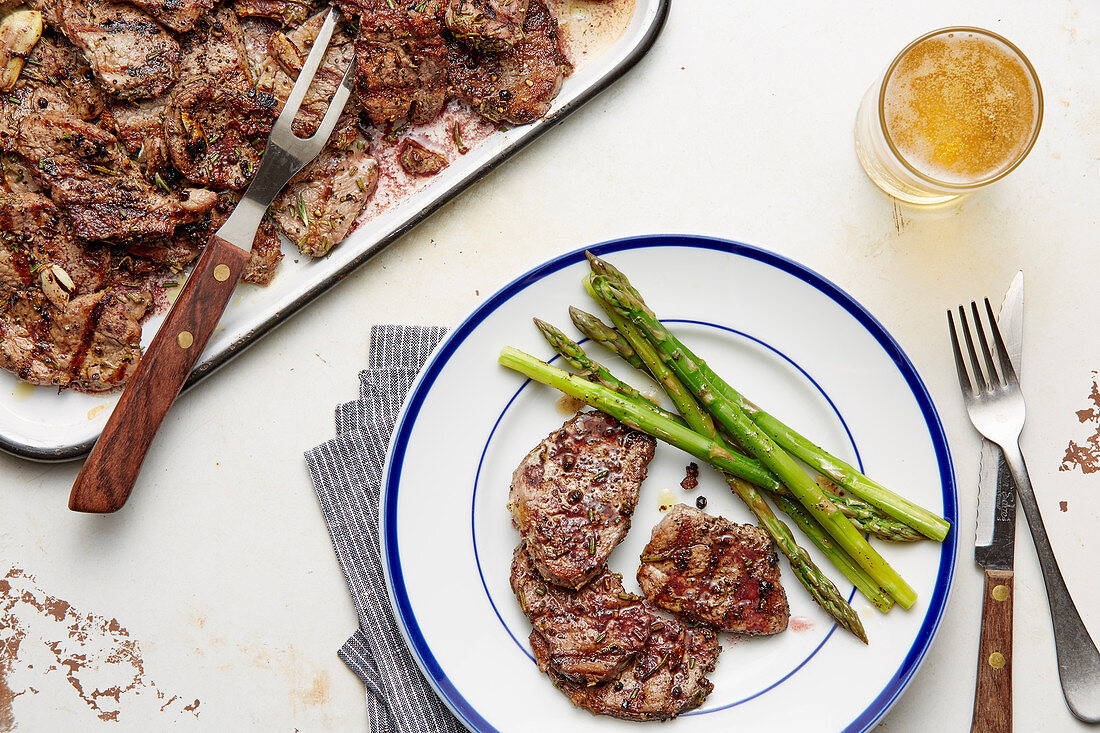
[
  {"x": 709, "y": 570},
  {"x": 573, "y": 495}
]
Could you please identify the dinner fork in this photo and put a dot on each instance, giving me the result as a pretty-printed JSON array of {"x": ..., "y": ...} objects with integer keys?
[
  {"x": 995, "y": 404},
  {"x": 112, "y": 467}
]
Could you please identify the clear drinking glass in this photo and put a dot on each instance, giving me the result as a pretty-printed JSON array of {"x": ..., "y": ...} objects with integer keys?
[{"x": 958, "y": 109}]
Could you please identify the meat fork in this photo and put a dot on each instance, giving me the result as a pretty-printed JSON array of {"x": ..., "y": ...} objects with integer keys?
[
  {"x": 112, "y": 467},
  {"x": 995, "y": 404}
]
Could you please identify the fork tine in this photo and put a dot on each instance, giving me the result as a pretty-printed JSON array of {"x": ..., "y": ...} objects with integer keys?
[
  {"x": 960, "y": 365},
  {"x": 994, "y": 375},
  {"x": 1002, "y": 352},
  {"x": 979, "y": 377},
  {"x": 309, "y": 69},
  {"x": 335, "y": 107}
]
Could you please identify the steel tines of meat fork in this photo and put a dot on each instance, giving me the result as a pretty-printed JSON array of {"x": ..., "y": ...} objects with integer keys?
[{"x": 995, "y": 403}]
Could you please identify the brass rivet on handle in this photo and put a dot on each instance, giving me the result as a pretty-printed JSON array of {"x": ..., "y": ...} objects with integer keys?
[
  {"x": 1000, "y": 592},
  {"x": 221, "y": 273},
  {"x": 996, "y": 660},
  {"x": 185, "y": 339}
]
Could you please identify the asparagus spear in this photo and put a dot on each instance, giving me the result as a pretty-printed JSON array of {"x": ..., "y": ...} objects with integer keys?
[
  {"x": 642, "y": 415},
  {"x": 898, "y": 507},
  {"x": 837, "y": 557},
  {"x": 758, "y": 443},
  {"x": 575, "y": 356},
  {"x": 865, "y": 516},
  {"x": 597, "y": 330}
]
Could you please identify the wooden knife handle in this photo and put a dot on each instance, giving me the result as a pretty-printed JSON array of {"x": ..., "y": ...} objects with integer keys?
[
  {"x": 993, "y": 690},
  {"x": 109, "y": 473}
]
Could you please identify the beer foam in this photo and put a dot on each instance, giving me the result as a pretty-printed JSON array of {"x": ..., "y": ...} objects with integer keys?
[{"x": 961, "y": 107}]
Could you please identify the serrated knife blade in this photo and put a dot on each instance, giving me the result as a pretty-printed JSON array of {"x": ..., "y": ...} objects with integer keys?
[{"x": 994, "y": 542}]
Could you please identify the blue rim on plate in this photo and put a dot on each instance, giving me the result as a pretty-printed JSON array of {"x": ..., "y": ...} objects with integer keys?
[{"x": 399, "y": 598}]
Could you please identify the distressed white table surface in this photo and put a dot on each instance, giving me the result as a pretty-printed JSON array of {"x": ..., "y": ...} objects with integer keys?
[{"x": 737, "y": 124}]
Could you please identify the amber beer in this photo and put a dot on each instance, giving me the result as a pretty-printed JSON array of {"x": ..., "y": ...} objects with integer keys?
[{"x": 957, "y": 110}]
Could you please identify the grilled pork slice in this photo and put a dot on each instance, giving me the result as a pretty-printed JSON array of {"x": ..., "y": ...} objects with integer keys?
[
  {"x": 132, "y": 56},
  {"x": 709, "y": 570},
  {"x": 667, "y": 678},
  {"x": 187, "y": 243},
  {"x": 401, "y": 59},
  {"x": 36, "y": 239},
  {"x": 91, "y": 342},
  {"x": 572, "y": 496},
  {"x": 101, "y": 190},
  {"x": 519, "y": 84},
  {"x": 286, "y": 12},
  {"x": 420, "y": 160},
  {"x": 318, "y": 207},
  {"x": 57, "y": 325},
  {"x": 179, "y": 15},
  {"x": 590, "y": 635},
  {"x": 489, "y": 26}
]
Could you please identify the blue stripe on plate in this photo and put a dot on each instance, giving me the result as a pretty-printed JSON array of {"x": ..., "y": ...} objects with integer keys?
[{"x": 391, "y": 483}]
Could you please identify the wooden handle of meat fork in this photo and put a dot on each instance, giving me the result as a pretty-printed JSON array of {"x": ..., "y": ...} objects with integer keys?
[{"x": 109, "y": 473}]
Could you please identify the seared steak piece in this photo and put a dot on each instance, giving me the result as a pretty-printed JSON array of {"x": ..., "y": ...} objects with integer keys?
[
  {"x": 590, "y": 635},
  {"x": 401, "y": 59},
  {"x": 267, "y": 251},
  {"x": 216, "y": 121},
  {"x": 215, "y": 132},
  {"x": 286, "y": 12},
  {"x": 98, "y": 187},
  {"x": 572, "y": 496},
  {"x": 34, "y": 238},
  {"x": 188, "y": 242},
  {"x": 55, "y": 79},
  {"x": 666, "y": 679},
  {"x": 419, "y": 160},
  {"x": 709, "y": 570},
  {"x": 179, "y": 15},
  {"x": 91, "y": 342},
  {"x": 62, "y": 76},
  {"x": 139, "y": 126},
  {"x": 519, "y": 84},
  {"x": 133, "y": 57},
  {"x": 57, "y": 326},
  {"x": 318, "y": 207},
  {"x": 489, "y": 26},
  {"x": 216, "y": 48}
]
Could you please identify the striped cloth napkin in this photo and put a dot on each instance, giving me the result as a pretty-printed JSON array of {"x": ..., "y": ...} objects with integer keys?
[{"x": 347, "y": 475}]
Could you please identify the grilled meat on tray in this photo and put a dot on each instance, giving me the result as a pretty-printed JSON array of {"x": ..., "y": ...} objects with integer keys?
[
  {"x": 667, "y": 678},
  {"x": 56, "y": 325},
  {"x": 589, "y": 635},
  {"x": 401, "y": 59},
  {"x": 132, "y": 56},
  {"x": 101, "y": 190},
  {"x": 516, "y": 85},
  {"x": 132, "y": 125},
  {"x": 572, "y": 496},
  {"x": 709, "y": 570},
  {"x": 489, "y": 26},
  {"x": 319, "y": 205}
]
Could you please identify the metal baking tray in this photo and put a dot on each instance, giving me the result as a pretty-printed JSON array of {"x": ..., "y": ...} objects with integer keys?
[{"x": 43, "y": 424}]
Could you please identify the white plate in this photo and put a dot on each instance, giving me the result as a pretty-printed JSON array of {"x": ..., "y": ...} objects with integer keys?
[
  {"x": 791, "y": 341},
  {"x": 43, "y": 424}
]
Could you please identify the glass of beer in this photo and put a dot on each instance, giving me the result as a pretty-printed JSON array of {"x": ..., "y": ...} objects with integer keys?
[{"x": 958, "y": 109}]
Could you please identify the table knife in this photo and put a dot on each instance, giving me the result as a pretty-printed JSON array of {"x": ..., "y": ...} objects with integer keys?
[{"x": 994, "y": 547}]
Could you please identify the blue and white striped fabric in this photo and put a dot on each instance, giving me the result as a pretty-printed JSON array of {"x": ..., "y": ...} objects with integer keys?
[{"x": 347, "y": 475}]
